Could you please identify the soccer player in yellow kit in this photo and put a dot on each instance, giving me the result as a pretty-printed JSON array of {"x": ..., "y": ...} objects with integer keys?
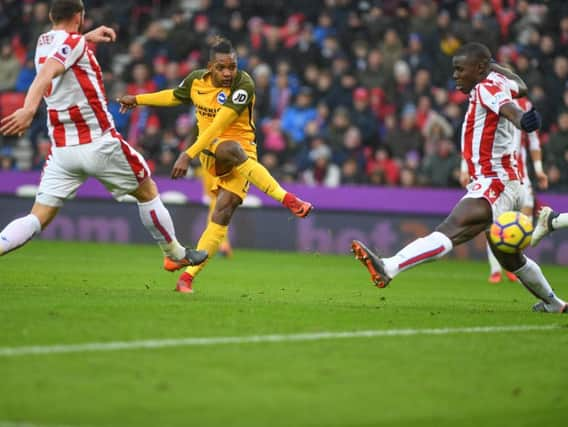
[{"x": 223, "y": 97}]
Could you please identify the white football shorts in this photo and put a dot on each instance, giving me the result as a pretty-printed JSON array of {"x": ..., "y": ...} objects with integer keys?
[
  {"x": 502, "y": 195},
  {"x": 109, "y": 159}
]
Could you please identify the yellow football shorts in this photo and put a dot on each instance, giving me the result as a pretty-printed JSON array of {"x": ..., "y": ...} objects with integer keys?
[{"x": 232, "y": 181}]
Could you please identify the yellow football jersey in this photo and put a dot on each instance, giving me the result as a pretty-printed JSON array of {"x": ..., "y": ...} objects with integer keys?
[{"x": 197, "y": 89}]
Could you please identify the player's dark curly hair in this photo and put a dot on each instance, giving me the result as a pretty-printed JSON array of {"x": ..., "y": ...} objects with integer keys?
[
  {"x": 62, "y": 10},
  {"x": 220, "y": 45}
]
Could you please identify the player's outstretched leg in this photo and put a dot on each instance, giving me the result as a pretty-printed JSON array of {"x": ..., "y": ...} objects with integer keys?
[
  {"x": 259, "y": 176},
  {"x": 428, "y": 248},
  {"x": 18, "y": 232}
]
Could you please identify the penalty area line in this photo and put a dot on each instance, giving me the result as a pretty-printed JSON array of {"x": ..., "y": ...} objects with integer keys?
[{"x": 253, "y": 339}]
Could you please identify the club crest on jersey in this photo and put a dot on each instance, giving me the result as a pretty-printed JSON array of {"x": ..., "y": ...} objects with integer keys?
[
  {"x": 65, "y": 50},
  {"x": 221, "y": 97},
  {"x": 240, "y": 96}
]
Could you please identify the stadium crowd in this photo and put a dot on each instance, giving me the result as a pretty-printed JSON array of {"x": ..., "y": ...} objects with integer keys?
[{"x": 347, "y": 91}]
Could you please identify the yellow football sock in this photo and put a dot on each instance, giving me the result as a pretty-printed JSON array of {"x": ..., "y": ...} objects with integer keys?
[
  {"x": 209, "y": 241},
  {"x": 212, "y": 203},
  {"x": 259, "y": 176}
]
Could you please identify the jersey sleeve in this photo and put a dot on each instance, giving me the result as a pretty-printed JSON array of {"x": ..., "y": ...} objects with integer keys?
[
  {"x": 70, "y": 51},
  {"x": 242, "y": 93},
  {"x": 493, "y": 96},
  {"x": 183, "y": 91},
  {"x": 513, "y": 87}
]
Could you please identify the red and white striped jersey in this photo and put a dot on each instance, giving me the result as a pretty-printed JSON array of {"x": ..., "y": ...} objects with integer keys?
[
  {"x": 77, "y": 110},
  {"x": 524, "y": 142},
  {"x": 487, "y": 138}
]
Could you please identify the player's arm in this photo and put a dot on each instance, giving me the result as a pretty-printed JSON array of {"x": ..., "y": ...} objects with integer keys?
[
  {"x": 17, "y": 122},
  {"x": 464, "y": 177},
  {"x": 102, "y": 34},
  {"x": 163, "y": 98},
  {"x": 536, "y": 157},
  {"x": 528, "y": 121},
  {"x": 223, "y": 119},
  {"x": 522, "y": 87}
]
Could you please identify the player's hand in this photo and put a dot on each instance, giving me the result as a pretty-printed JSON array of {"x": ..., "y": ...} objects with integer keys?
[
  {"x": 127, "y": 102},
  {"x": 102, "y": 34},
  {"x": 531, "y": 121},
  {"x": 541, "y": 180},
  {"x": 464, "y": 178},
  {"x": 17, "y": 122},
  {"x": 181, "y": 166}
]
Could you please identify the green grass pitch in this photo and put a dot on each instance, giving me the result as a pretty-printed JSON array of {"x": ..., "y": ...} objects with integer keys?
[{"x": 75, "y": 293}]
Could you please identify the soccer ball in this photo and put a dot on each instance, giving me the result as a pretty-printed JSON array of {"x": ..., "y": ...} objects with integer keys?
[{"x": 511, "y": 232}]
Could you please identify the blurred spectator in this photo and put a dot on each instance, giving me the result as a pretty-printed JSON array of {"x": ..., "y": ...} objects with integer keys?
[
  {"x": 274, "y": 140},
  {"x": 352, "y": 148},
  {"x": 322, "y": 171},
  {"x": 26, "y": 75},
  {"x": 156, "y": 41},
  {"x": 340, "y": 122},
  {"x": 374, "y": 75},
  {"x": 441, "y": 168},
  {"x": 362, "y": 117},
  {"x": 556, "y": 82},
  {"x": 527, "y": 71},
  {"x": 392, "y": 51},
  {"x": 557, "y": 146},
  {"x": 9, "y": 67},
  {"x": 262, "y": 76},
  {"x": 382, "y": 163},
  {"x": 295, "y": 117},
  {"x": 408, "y": 137},
  {"x": 415, "y": 56},
  {"x": 351, "y": 173}
]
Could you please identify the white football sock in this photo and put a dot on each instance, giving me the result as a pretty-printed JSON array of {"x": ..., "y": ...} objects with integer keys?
[
  {"x": 494, "y": 265},
  {"x": 530, "y": 275},
  {"x": 18, "y": 232},
  {"x": 561, "y": 221},
  {"x": 157, "y": 220},
  {"x": 428, "y": 248}
]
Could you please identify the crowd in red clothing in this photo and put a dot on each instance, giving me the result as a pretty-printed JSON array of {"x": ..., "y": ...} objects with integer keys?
[{"x": 347, "y": 91}]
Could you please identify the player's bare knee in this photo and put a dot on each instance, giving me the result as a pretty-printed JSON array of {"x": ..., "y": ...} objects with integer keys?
[{"x": 231, "y": 152}]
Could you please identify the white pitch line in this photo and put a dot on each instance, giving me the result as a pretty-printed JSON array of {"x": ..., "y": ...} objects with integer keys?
[
  {"x": 26, "y": 424},
  {"x": 316, "y": 336}
]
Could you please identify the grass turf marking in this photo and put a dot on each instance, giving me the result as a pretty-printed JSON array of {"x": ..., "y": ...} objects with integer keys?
[{"x": 253, "y": 339}]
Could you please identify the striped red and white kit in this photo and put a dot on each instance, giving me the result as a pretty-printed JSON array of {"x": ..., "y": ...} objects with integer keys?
[
  {"x": 76, "y": 101},
  {"x": 487, "y": 137}
]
